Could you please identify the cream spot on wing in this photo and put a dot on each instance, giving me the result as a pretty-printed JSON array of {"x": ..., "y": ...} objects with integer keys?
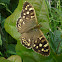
[
  {"x": 23, "y": 16},
  {"x": 36, "y": 41},
  {"x": 40, "y": 38},
  {"x": 27, "y": 12},
  {"x": 46, "y": 45},
  {"x": 32, "y": 16},
  {"x": 29, "y": 40},
  {"x": 40, "y": 45},
  {"x": 20, "y": 21},
  {"x": 25, "y": 8},
  {"x": 24, "y": 13},
  {"x": 42, "y": 49},
  {"x": 28, "y": 44},
  {"x": 31, "y": 9},
  {"x": 36, "y": 47},
  {"x": 23, "y": 22},
  {"x": 46, "y": 50},
  {"x": 27, "y": 18},
  {"x": 27, "y": 5}
]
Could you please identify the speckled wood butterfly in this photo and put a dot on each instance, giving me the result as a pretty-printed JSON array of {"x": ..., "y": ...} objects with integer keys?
[{"x": 31, "y": 35}]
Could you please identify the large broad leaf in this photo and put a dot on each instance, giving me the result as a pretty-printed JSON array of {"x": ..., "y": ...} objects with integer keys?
[
  {"x": 15, "y": 58},
  {"x": 56, "y": 41},
  {"x": 28, "y": 55},
  {"x": 2, "y": 59}
]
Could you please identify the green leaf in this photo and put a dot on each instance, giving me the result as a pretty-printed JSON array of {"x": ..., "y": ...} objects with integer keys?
[
  {"x": 56, "y": 43},
  {"x": 0, "y": 40},
  {"x": 0, "y": 53},
  {"x": 11, "y": 49},
  {"x": 10, "y": 23},
  {"x": 15, "y": 58},
  {"x": 5, "y": 1},
  {"x": 2, "y": 59}
]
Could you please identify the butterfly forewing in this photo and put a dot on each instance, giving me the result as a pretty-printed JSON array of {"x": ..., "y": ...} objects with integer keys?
[
  {"x": 31, "y": 35},
  {"x": 28, "y": 12},
  {"x": 24, "y": 26},
  {"x": 28, "y": 18}
]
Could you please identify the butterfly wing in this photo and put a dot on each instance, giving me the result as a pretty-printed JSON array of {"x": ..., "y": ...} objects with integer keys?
[
  {"x": 26, "y": 40},
  {"x": 40, "y": 44},
  {"x": 28, "y": 18}
]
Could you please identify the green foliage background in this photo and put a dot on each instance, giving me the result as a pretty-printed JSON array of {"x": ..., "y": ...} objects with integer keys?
[{"x": 48, "y": 15}]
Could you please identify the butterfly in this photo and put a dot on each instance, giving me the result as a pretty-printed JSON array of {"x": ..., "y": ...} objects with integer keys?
[{"x": 31, "y": 35}]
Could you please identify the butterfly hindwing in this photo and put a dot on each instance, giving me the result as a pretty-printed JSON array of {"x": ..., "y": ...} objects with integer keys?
[
  {"x": 26, "y": 40},
  {"x": 41, "y": 45}
]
